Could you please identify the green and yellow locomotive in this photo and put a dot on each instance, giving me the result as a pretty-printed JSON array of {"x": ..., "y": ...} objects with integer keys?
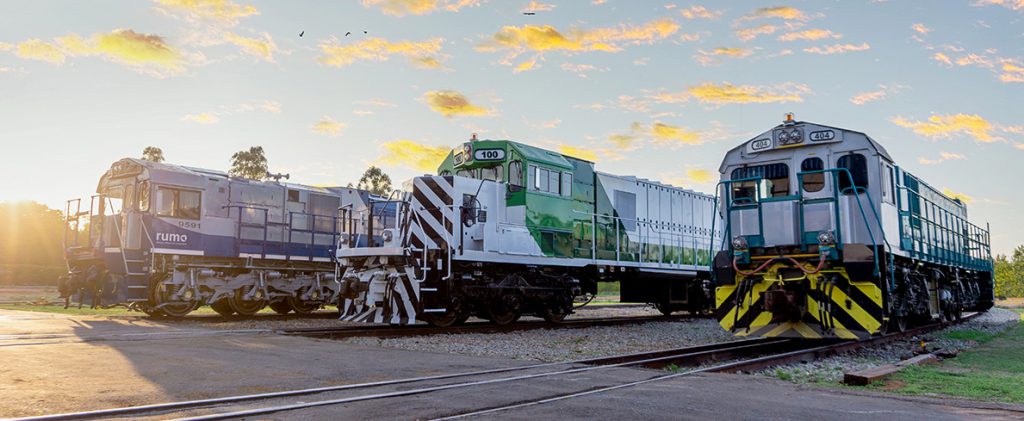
[
  {"x": 826, "y": 237},
  {"x": 507, "y": 229}
]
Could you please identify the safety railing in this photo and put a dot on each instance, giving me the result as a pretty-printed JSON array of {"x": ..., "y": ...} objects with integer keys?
[
  {"x": 931, "y": 232},
  {"x": 258, "y": 219},
  {"x": 651, "y": 235}
]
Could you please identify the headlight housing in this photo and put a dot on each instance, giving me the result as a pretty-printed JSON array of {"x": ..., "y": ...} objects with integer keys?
[
  {"x": 387, "y": 235},
  {"x": 826, "y": 238},
  {"x": 739, "y": 243},
  {"x": 343, "y": 240}
]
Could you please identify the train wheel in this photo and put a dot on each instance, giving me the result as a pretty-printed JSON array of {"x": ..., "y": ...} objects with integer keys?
[
  {"x": 302, "y": 307},
  {"x": 448, "y": 319},
  {"x": 222, "y": 307},
  {"x": 551, "y": 315},
  {"x": 247, "y": 307},
  {"x": 898, "y": 324},
  {"x": 502, "y": 316},
  {"x": 163, "y": 295},
  {"x": 664, "y": 307},
  {"x": 280, "y": 306}
]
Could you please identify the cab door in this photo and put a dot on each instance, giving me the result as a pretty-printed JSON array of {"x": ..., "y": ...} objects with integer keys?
[{"x": 816, "y": 188}]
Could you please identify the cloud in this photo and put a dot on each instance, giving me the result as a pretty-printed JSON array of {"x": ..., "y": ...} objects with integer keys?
[
  {"x": 525, "y": 66},
  {"x": 451, "y": 104},
  {"x": 408, "y": 153},
  {"x": 954, "y": 195},
  {"x": 550, "y": 124},
  {"x": 204, "y": 118},
  {"x": 699, "y": 176},
  {"x": 945, "y": 126},
  {"x": 691, "y": 178},
  {"x": 581, "y": 70},
  {"x": 727, "y": 93},
  {"x": 942, "y": 58},
  {"x": 809, "y": 35},
  {"x": 920, "y": 28},
  {"x": 577, "y": 152},
  {"x": 377, "y": 102},
  {"x": 427, "y": 62},
  {"x": 943, "y": 157},
  {"x": 536, "y": 6},
  {"x": 222, "y": 11},
  {"x": 375, "y": 49},
  {"x": 749, "y": 34},
  {"x": 664, "y": 134},
  {"x": 540, "y": 39},
  {"x": 144, "y": 53},
  {"x": 732, "y": 51},
  {"x": 328, "y": 126},
  {"x": 700, "y": 12},
  {"x": 837, "y": 48},
  {"x": 1013, "y": 72},
  {"x": 870, "y": 96},
  {"x": 417, "y": 7},
  {"x": 783, "y": 12},
  {"x": 1009, "y": 4},
  {"x": 263, "y": 48}
]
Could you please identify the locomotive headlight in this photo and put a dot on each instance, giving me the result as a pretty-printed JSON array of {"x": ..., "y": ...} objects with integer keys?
[
  {"x": 783, "y": 136},
  {"x": 795, "y": 136},
  {"x": 826, "y": 238},
  {"x": 387, "y": 235},
  {"x": 468, "y": 150},
  {"x": 739, "y": 243},
  {"x": 343, "y": 240}
]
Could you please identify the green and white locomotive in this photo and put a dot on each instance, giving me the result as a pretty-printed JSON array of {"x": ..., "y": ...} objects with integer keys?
[
  {"x": 506, "y": 229},
  {"x": 829, "y": 238}
]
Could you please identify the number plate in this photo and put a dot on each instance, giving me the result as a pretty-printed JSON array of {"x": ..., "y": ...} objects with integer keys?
[{"x": 489, "y": 154}]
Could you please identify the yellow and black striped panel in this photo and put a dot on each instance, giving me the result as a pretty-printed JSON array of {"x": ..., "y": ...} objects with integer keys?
[{"x": 853, "y": 314}]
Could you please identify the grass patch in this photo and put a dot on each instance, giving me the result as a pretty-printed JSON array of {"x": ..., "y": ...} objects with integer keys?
[
  {"x": 994, "y": 371},
  {"x": 608, "y": 288},
  {"x": 970, "y": 335}
]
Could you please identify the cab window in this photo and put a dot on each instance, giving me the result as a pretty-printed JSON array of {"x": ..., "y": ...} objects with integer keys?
[
  {"x": 857, "y": 164},
  {"x": 545, "y": 180},
  {"x": 515, "y": 173},
  {"x": 774, "y": 182},
  {"x": 178, "y": 203},
  {"x": 465, "y": 173},
  {"x": 143, "y": 194},
  {"x": 492, "y": 173},
  {"x": 816, "y": 181}
]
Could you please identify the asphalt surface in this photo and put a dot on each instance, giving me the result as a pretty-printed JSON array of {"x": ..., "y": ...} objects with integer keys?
[{"x": 57, "y": 363}]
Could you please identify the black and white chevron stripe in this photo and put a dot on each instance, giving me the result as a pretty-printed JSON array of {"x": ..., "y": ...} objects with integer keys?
[{"x": 430, "y": 223}]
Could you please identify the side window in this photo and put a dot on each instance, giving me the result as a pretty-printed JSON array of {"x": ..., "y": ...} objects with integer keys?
[
  {"x": 165, "y": 201},
  {"x": 554, "y": 182},
  {"x": 515, "y": 173},
  {"x": 293, "y": 195},
  {"x": 143, "y": 193},
  {"x": 813, "y": 182},
  {"x": 774, "y": 182},
  {"x": 188, "y": 204},
  {"x": 129, "y": 197},
  {"x": 566, "y": 184},
  {"x": 534, "y": 174},
  {"x": 858, "y": 167},
  {"x": 888, "y": 192},
  {"x": 465, "y": 173}
]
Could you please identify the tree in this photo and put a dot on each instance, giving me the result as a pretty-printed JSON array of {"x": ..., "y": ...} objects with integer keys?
[
  {"x": 375, "y": 181},
  {"x": 1010, "y": 274},
  {"x": 251, "y": 164},
  {"x": 153, "y": 153},
  {"x": 31, "y": 243}
]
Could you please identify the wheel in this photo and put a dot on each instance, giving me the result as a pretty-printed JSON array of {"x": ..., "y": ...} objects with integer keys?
[
  {"x": 551, "y": 315},
  {"x": 280, "y": 306},
  {"x": 245, "y": 307},
  {"x": 505, "y": 310},
  {"x": 163, "y": 294},
  {"x": 898, "y": 324},
  {"x": 150, "y": 311},
  {"x": 448, "y": 319},
  {"x": 302, "y": 307},
  {"x": 222, "y": 307},
  {"x": 664, "y": 307}
]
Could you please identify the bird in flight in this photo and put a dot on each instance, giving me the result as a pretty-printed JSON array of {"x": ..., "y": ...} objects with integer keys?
[
  {"x": 529, "y": 13},
  {"x": 348, "y": 33},
  {"x": 300, "y": 33}
]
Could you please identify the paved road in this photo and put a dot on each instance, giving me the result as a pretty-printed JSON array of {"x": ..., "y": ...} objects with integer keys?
[{"x": 173, "y": 363}]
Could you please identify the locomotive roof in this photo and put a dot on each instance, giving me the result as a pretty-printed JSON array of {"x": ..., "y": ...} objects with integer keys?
[
  {"x": 871, "y": 142},
  {"x": 182, "y": 174}
]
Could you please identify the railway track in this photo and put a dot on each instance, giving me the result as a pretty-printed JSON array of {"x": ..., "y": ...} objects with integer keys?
[{"x": 732, "y": 356}]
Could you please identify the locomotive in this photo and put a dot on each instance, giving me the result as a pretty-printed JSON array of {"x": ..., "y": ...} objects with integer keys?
[
  {"x": 827, "y": 237},
  {"x": 166, "y": 239},
  {"x": 507, "y": 229}
]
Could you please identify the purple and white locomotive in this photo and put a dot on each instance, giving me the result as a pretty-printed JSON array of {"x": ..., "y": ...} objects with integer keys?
[{"x": 166, "y": 239}]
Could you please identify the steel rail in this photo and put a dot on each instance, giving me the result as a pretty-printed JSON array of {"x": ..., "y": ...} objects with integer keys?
[
  {"x": 731, "y": 367},
  {"x": 636, "y": 358}
]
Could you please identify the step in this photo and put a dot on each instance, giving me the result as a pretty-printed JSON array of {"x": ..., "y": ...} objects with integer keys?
[
  {"x": 428, "y": 289},
  {"x": 138, "y": 287},
  {"x": 435, "y": 310}
]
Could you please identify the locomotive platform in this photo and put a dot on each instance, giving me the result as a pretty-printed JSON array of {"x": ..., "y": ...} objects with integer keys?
[{"x": 58, "y": 363}]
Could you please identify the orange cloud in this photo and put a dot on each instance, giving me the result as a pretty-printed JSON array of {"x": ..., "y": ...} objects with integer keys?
[
  {"x": 408, "y": 153},
  {"x": 942, "y": 58},
  {"x": 517, "y": 40},
  {"x": 945, "y": 126},
  {"x": 451, "y": 104},
  {"x": 328, "y": 126},
  {"x": 837, "y": 48},
  {"x": 783, "y": 12},
  {"x": 1012, "y": 72},
  {"x": 958, "y": 196},
  {"x": 417, "y": 7},
  {"x": 375, "y": 49},
  {"x": 1009, "y": 4},
  {"x": 203, "y": 118},
  {"x": 664, "y": 134},
  {"x": 748, "y": 34},
  {"x": 525, "y": 66},
  {"x": 263, "y": 48},
  {"x": 222, "y": 11},
  {"x": 727, "y": 93},
  {"x": 871, "y": 96},
  {"x": 943, "y": 157},
  {"x": 536, "y": 6},
  {"x": 920, "y": 28},
  {"x": 809, "y": 35},
  {"x": 700, "y": 12},
  {"x": 142, "y": 52},
  {"x": 731, "y": 51},
  {"x": 578, "y": 152}
]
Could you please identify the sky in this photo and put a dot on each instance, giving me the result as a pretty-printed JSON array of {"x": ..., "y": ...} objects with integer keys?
[{"x": 656, "y": 89}]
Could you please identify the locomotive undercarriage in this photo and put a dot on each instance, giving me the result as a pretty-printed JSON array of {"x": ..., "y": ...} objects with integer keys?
[
  {"x": 809, "y": 297},
  {"x": 178, "y": 285},
  {"x": 401, "y": 290}
]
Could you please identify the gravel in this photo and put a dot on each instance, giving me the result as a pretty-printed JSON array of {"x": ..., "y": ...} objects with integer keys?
[
  {"x": 830, "y": 370},
  {"x": 564, "y": 344}
]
